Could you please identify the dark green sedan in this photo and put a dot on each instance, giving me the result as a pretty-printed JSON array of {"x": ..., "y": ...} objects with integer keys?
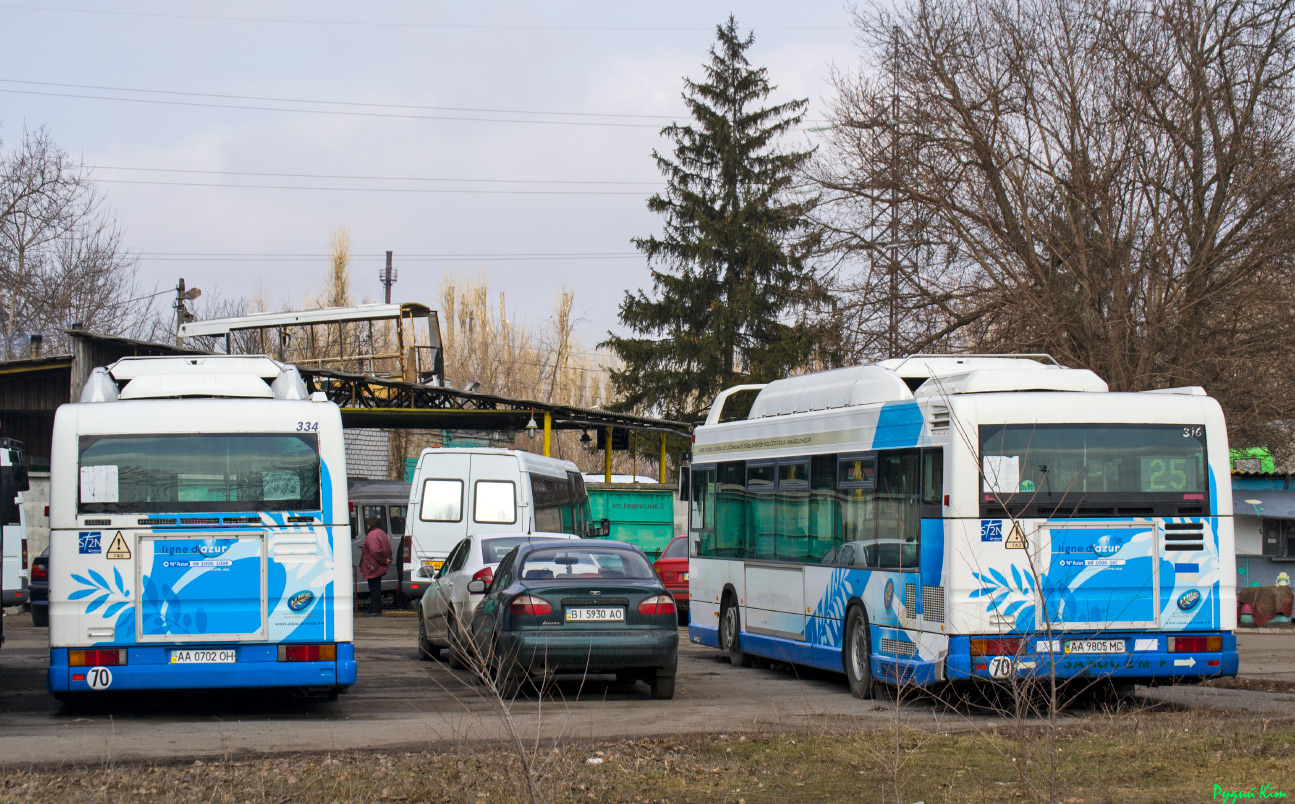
[{"x": 583, "y": 606}]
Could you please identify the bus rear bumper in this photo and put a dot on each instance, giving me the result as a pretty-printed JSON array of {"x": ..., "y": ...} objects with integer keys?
[
  {"x": 149, "y": 668},
  {"x": 1146, "y": 661}
]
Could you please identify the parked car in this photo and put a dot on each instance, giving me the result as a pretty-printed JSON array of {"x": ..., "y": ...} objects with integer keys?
[
  {"x": 672, "y": 567},
  {"x": 38, "y": 589},
  {"x": 386, "y": 500},
  {"x": 585, "y": 606},
  {"x": 446, "y": 607}
]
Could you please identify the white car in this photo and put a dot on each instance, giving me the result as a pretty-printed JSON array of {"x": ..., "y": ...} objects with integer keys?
[{"x": 445, "y": 609}]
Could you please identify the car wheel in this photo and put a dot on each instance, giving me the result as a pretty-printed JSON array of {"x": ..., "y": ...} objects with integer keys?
[
  {"x": 426, "y": 650},
  {"x": 662, "y": 687},
  {"x": 457, "y": 640},
  {"x": 40, "y": 616},
  {"x": 508, "y": 681},
  {"x": 730, "y": 635},
  {"x": 858, "y": 654}
]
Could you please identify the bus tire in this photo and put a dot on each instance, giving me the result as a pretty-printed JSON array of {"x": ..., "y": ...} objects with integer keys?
[
  {"x": 730, "y": 634},
  {"x": 857, "y": 654}
]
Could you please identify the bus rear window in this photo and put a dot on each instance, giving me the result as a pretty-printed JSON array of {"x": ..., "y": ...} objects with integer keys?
[
  {"x": 198, "y": 473},
  {"x": 1090, "y": 464}
]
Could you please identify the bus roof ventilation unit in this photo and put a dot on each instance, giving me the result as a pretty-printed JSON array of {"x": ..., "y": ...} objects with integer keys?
[
  {"x": 991, "y": 381},
  {"x": 838, "y": 388},
  {"x": 207, "y": 376}
]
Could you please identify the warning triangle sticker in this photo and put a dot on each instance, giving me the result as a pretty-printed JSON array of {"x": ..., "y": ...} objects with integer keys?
[
  {"x": 1015, "y": 539},
  {"x": 118, "y": 548}
]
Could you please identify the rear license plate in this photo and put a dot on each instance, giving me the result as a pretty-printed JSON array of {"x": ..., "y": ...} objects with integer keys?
[
  {"x": 595, "y": 615},
  {"x": 436, "y": 565},
  {"x": 1094, "y": 646},
  {"x": 223, "y": 656},
  {"x": 683, "y": 576}
]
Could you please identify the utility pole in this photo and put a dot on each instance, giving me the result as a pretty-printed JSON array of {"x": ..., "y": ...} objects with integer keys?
[
  {"x": 182, "y": 314},
  {"x": 388, "y": 277},
  {"x": 894, "y": 199}
]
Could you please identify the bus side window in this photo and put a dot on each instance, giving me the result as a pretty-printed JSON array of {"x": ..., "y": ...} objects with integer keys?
[{"x": 932, "y": 483}]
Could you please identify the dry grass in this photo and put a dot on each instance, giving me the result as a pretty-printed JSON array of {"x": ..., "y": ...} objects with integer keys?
[{"x": 1135, "y": 756}]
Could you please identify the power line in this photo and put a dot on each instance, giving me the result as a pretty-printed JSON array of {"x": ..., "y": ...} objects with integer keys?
[
  {"x": 363, "y": 178},
  {"x": 434, "y": 190},
  {"x": 272, "y": 99},
  {"x": 273, "y": 257},
  {"x": 335, "y": 112},
  {"x": 372, "y": 24}
]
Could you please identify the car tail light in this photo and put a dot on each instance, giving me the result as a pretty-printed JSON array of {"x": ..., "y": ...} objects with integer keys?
[
  {"x": 1195, "y": 644},
  {"x": 98, "y": 657},
  {"x": 668, "y": 575},
  {"x": 529, "y": 605},
  {"x": 484, "y": 574},
  {"x": 995, "y": 647},
  {"x": 39, "y": 572},
  {"x": 307, "y": 653},
  {"x": 657, "y": 604}
]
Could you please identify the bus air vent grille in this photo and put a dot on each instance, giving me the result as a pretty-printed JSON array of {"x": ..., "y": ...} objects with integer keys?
[
  {"x": 301, "y": 520},
  {"x": 898, "y": 647},
  {"x": 157, "y": 521},
  {"x": 939, "y": 418},
  {"x": 1184, "y": 536},
  {"x": 910, "y": 600},
  {"x": 242, "y": 520},
  {"x": 995, "y": 512},
  {"x": 1196, "y": 526},
  {"x": 1095, "y": 511},
  {"x": 1190, "y": 510},
  {"x": 933, "y": 604},
  {"x": 98, "y": 522},
  {"x": 200, "y": 520},
  {"x": 1137, "y": 511}
]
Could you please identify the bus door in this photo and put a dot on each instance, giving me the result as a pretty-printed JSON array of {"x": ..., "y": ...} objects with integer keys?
[{"x": 200, "y": 587}]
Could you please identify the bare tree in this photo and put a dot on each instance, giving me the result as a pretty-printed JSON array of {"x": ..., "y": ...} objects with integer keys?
[
  {"x": 62, "y": 259},
  {"x": 1111, "y": 181}
]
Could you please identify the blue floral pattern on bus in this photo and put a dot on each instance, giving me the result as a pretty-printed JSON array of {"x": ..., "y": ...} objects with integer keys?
[
  {"x": 828, "y": 622},
  {"x": 108, "y": 599}
]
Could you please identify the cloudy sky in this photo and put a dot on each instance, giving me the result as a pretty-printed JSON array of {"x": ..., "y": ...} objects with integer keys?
[{"x": 232, "y": 138}]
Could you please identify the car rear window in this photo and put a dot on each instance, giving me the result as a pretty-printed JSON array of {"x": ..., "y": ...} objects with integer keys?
[
  {"x": 566, "y": 562},
  {"x": 676, "y": 549},
  {"x": 494, "y": 550}
]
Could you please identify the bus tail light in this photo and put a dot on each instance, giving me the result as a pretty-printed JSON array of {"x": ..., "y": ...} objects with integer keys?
[
  {"x": 530, "y": 605},
  {"x": 307, "y": 653},
  {"x": 998, "y": 646},
  {"x": 484, "y": 574},
  {"x": 97, "y": 657},
  {"x": 1195, "y": 644},
  {"x": 24, "y": 553},
  {"x": 657, "y": 604}
]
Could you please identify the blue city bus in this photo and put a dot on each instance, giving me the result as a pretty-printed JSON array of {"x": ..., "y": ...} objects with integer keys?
[
  {"x": 944, "y": 518},
  {"x": 198, "y": 532}
]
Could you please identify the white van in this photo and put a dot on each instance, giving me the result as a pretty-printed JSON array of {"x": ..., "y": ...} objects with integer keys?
[
  {"x": 13, "y": 525},
  {"x": 458, "y": 492}
]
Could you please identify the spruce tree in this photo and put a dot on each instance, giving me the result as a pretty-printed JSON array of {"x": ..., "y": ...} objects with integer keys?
[{"x": 729, "y": 273}]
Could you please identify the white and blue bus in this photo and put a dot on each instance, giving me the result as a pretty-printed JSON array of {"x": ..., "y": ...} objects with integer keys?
[
  {"x": 945, "y": 518},
  {"x": 198, "y": 531}
]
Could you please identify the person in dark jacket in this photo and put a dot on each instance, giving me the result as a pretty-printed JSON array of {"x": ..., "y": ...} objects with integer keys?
[{"x": 375, "y": 558}]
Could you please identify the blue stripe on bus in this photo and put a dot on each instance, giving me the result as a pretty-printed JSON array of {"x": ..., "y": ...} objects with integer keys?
[
  {"x": 898, "y": 425},
  {"x": 931, "y": 566}
]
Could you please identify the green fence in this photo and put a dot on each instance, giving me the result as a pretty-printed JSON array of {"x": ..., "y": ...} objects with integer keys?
[{"x": 640, "y": 513}]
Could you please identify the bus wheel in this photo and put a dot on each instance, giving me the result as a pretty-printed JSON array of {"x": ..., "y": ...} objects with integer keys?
[
  {"x": 858, "y": 654},
  {"x": 730, "y": 635}
]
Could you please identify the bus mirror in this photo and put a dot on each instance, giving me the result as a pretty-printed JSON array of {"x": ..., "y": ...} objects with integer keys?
[
  {"x": 685, "y": 482},
  {"x": 15, "y": 478},
  {"x": 600, "y": 529}
]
